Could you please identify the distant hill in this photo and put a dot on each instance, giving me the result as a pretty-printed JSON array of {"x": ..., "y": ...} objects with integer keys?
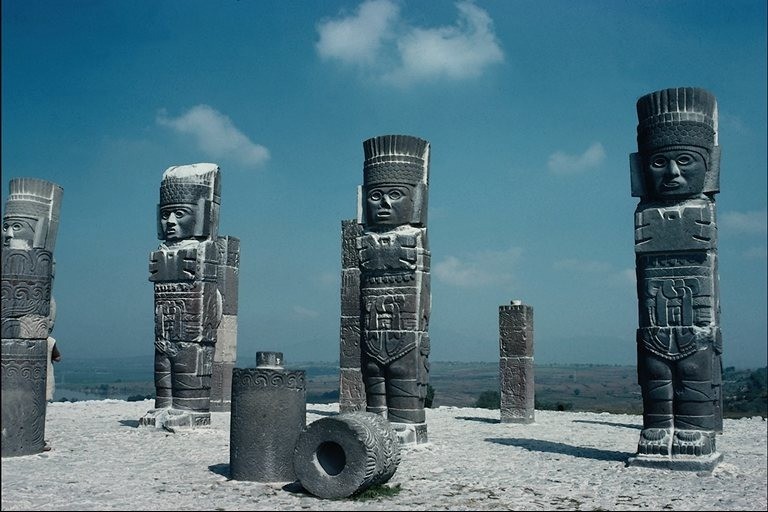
[{"x": 577, "y": 387}]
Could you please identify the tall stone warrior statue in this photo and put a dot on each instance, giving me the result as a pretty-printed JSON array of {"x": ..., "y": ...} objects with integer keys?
[
  {"x": 30, "y": 225},
  {"x": 390, "y": 286},
  {"x": 188, "y": 304},
  {"x": 675, "y": 173}
]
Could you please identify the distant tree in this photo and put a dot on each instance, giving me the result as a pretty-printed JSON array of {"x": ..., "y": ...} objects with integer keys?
[
  {"x": 430, "y": 396},
  {"x": 489, "y": 400},
  {"x": 576, "y": 391}
]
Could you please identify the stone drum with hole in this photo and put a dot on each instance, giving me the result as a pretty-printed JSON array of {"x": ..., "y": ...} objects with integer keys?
[
  {"x": 268, "y": 414},
  {"x": 339, "y": 456}
]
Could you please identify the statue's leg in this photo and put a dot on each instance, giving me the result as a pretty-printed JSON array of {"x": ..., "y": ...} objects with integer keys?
[
  {"x": 192, "y": 377},
  {"x": 694, "y": 405},
  {"x": 404, "y": 402},
  {"x": 163, "y": 385},
  {"x": 656, "y": 385},
  {"x": 375, "y": 390}
]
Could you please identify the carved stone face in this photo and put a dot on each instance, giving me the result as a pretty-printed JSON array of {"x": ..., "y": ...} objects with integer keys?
[
  {"x": 178, "y": 221},
  {"x": 18, "y": 232},
  {"x": 676, "y": 172},
  {"x": 389, "y": 205}
]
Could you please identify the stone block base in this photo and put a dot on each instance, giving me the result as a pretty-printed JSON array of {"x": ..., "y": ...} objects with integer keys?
[
  {"x": 171, "y": 419},
  {"x": 705, "y": 463},
  {"x": 523, "y": 416},
  {"x": 410, "y": 433}
]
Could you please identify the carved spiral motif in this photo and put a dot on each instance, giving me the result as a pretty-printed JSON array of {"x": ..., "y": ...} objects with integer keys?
[{"x": 264, "y": 378}]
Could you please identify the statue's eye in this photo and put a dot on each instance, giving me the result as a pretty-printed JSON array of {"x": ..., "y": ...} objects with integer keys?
[
  {"x": 17, "y": 227},
  {"x": 165, "y": 215},
  {"x": 684, "y": 160},
  {"x": 180, "y": 213},
  {"x": 395, "y": 194},
  {"x": 375, "y": 196},
  {"x": 659, "y": 161}
]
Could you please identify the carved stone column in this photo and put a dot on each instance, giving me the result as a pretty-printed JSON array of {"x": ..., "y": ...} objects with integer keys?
[
  {"x": 225, "y": 355},
  {"x": 30, "y": 225},
  {"x": 516, "y": 363},
  {"x": 269, "y": 409},
  {"x": 675, "y": 173}
]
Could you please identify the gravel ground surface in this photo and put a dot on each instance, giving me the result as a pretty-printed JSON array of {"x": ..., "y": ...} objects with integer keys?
[{"x": 100, "y": 460}]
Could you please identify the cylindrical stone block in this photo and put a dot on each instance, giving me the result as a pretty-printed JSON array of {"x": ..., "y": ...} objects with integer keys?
[
  {"x": 339, "y": 456},
  {"x": 268, "y": 414},
  {"x": 24, "y": 365}
]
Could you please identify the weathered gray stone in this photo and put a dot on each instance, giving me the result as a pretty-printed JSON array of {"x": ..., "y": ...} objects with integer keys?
[
  {"x": 339, "y": 456},
  {"x": 386, "y": 285},
  {"x": 676, "y": 174},
  {"x": 516, "y": 376},
  {"x": 189, "y": 302},
  {"x": 30, "y": 225},
  {"x": 352, "y": 393},
  {"x": 268, "y": 414}
]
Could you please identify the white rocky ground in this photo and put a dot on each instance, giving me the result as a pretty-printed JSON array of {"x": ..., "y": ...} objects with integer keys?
[{"x": 568, "y": 461}]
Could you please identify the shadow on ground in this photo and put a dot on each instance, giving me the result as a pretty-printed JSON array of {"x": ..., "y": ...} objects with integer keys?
[
  {"x": 129, "y": 423},
  {"x": 611, "y": 424},
  {"x": 538, "y": 445},
  {"x": 478, "y": 418},
  {"x": 219, "y": 469}
]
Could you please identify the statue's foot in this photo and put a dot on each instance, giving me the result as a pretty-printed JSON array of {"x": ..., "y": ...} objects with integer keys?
[
  {"x": 693, "y": 442},
  {"x": 170, "y": 419},
  {"x": 654, "y": 441}
]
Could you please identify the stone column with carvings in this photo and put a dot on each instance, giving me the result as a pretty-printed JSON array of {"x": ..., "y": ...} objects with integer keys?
[
  {"x": 516, "y": 363},
  {"x": 225, "y": 354},
  {"x": 30, "y": 225}
]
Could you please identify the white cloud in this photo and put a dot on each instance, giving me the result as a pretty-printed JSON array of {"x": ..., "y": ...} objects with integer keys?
[
  {"x": 216, "y": 135},
  {"x": 478, "y": 270},
  {"x": 563, "y": 163},
  {"x": 357, "y": 39},
  {"x": 378, "y": 40},
  {"x": 753, "y": 222}
]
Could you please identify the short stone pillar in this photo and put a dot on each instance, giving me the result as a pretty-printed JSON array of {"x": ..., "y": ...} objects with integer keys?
[
  {"x": 268, "y": 414},
  {"x": 30, "y": 225},
  {"x": 516, "y": 363},
  {"x": 225, "y": 353},
  {"x": 676, "y": 174},
  {"x": 338, "y": 456}
]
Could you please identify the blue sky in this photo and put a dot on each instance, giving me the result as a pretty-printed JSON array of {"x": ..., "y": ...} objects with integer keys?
[{"x": 529, "y": 108}]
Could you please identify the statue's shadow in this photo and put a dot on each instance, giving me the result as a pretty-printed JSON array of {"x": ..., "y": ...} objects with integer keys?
[
  {"x": 538, "y": 445},
  {"x": 220, "y": 469},
  {"x": 479, "y": 418},
  {"x": 611, "y": 424},
  {"x": 130, "y": 423}
]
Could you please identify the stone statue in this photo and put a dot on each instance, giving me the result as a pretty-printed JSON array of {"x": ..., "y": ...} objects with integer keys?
[
  {"x": 675, "y": 173},
  {"x": 188, "y": 303},
  {"x": 393, "y": 296},
  {"x": 516, "y": 363},
  {"x": 30, "y": 225}
]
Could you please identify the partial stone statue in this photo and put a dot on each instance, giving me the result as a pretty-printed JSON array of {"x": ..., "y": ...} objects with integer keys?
[
  {"x": 386, "y": 287},
  {"x": 516, "y": 363},
  {"x": 675, "y": 173},
  {"x": 30, "y": 226},
  {"x": 188, "y": 303},
  {"x": 269, "y": 410}
]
